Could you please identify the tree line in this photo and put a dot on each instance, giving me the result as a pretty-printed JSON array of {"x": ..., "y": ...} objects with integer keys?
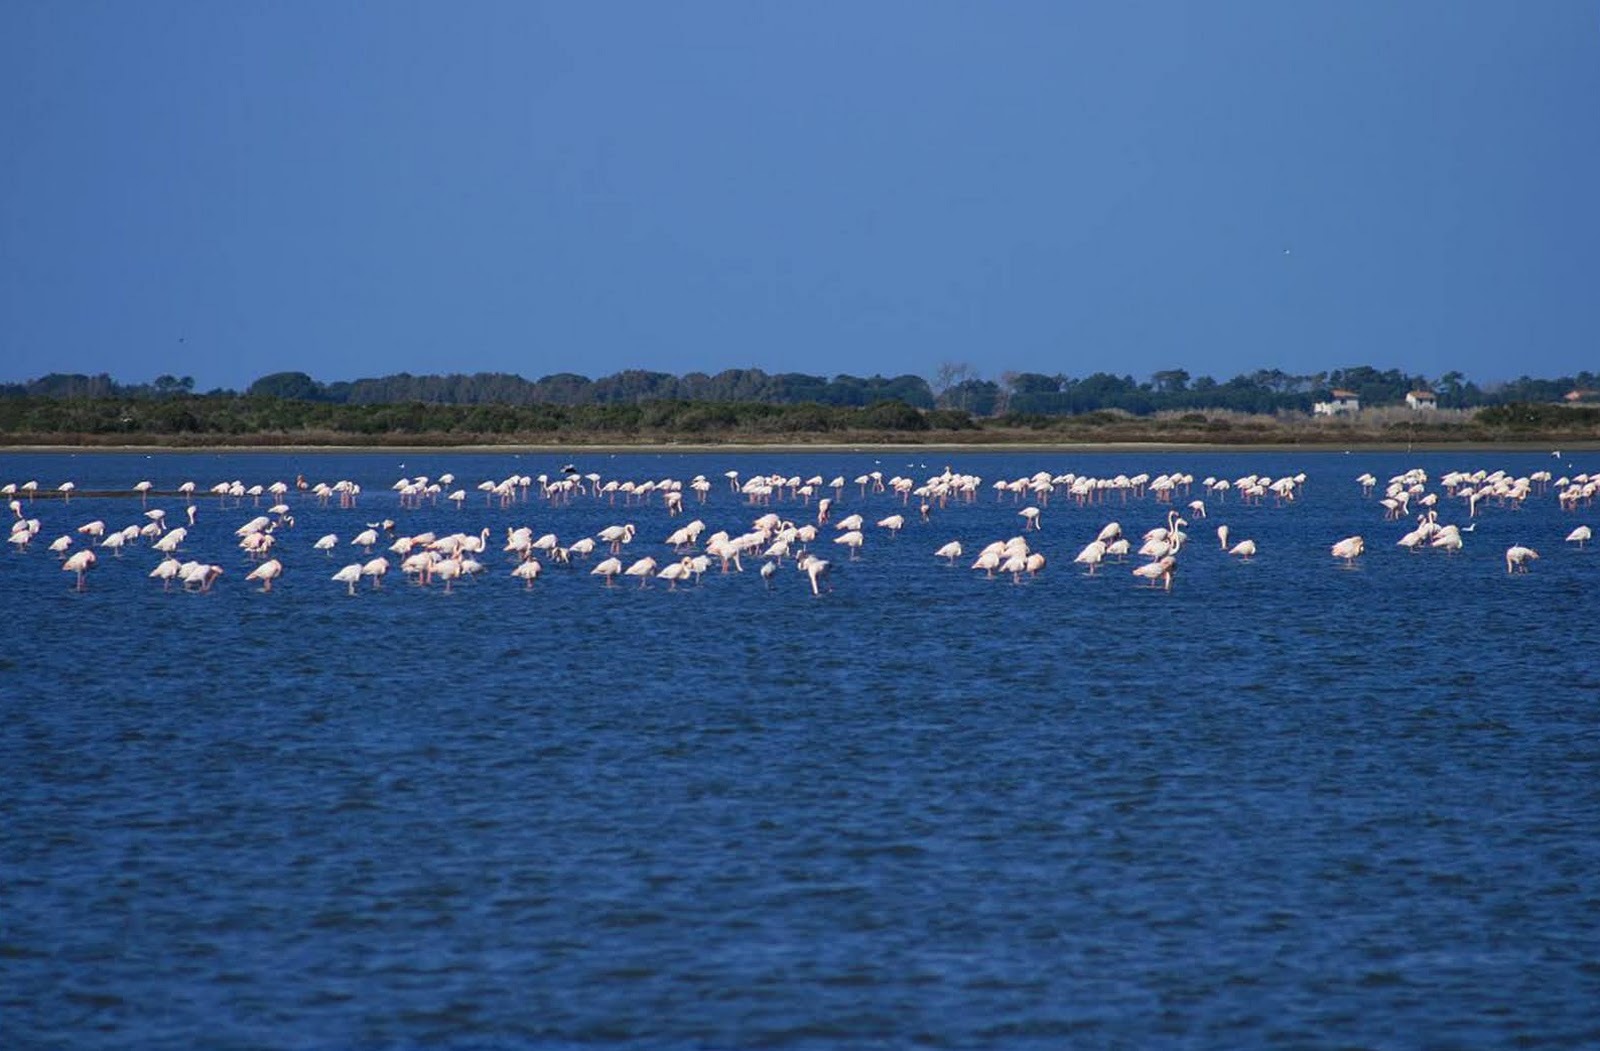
[
  {"x": 254, "y": 419},
  {"x": 956, "y": 387},
  {"x": 227, "y": 415},
  {"x": 1262, "y": 391}
]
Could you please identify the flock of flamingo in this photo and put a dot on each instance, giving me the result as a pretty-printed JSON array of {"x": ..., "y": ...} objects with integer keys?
[{"x": 769, "y": 538}]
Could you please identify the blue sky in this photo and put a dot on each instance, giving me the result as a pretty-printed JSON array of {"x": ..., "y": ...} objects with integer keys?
[{"x": 351, "y": 189}]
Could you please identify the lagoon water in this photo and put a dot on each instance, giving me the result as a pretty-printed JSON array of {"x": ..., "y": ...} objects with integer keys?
[{"x": 1285, "y": 805}]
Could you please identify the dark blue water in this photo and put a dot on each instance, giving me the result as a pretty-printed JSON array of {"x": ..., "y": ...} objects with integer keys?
[{"x": 1285, "y": 805}]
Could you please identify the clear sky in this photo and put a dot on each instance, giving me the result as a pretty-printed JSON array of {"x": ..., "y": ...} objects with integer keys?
[{"x": 350, "y": 189}]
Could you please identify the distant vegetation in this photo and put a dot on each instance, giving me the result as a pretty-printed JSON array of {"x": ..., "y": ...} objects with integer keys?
[
  {"x": 955, "y": 386},
  {"x": 235, "y": 416},
  {"x": 751, "y": 405}
]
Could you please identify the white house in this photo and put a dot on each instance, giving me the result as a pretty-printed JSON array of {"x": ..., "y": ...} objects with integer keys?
[
  {"x": 1422, "y": 399},
  {"x": 1340, "y": 402}
]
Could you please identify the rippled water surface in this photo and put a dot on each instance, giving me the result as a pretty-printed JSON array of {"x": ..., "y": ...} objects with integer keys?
[{"x": 1284, "y": 805}]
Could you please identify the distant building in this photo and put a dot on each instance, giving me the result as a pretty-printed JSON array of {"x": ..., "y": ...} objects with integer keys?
[
  {"x": 1422, "y": 399},
  {"x": 1580, "y": 395},
  {"x": 1339, "y": 402}
]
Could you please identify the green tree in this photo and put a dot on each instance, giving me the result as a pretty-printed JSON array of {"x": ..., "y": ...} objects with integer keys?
[
  {"x": 296, "y": 386},
  {"x": 1170, "y": 381}
]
